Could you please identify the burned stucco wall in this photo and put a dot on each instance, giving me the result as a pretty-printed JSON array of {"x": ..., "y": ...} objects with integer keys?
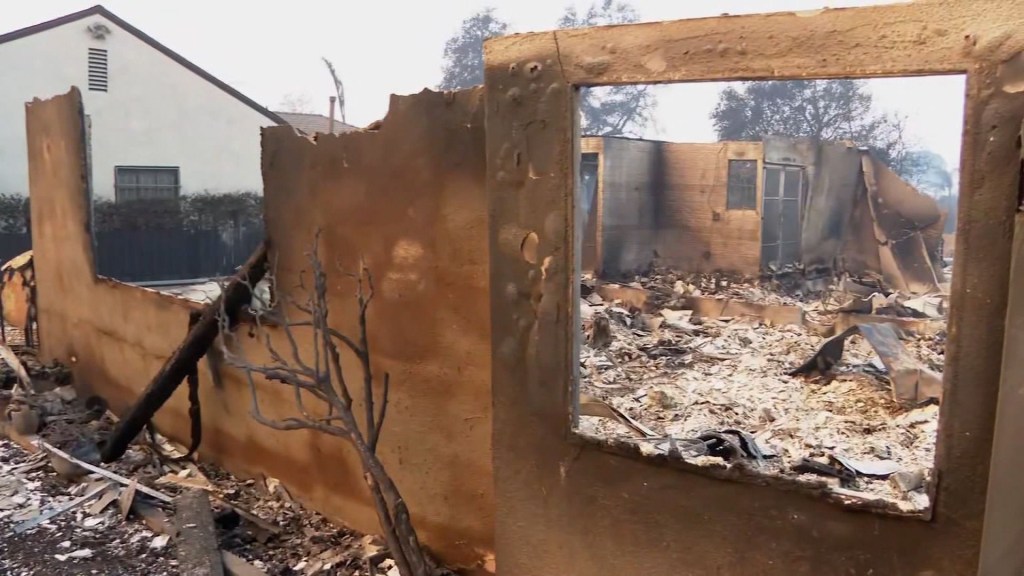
[
  {"x": 846, "y": 192},
  {"x": 697, "y": 231},
  {"x": 635, "y": 511},
  {"x": 858, "y": 254},
  {"x": 793, "y": 151},
  {"x": 664, "y": 203},
  {"x": 632, "y": 182},
  {"x": 409, "y": 199},
  {"x": 906, "y": 230},
  {"x": 835, "y": 188}
]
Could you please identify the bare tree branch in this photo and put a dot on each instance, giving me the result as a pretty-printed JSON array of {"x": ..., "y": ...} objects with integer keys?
[
  {"x": 364, "y": 358},
  {"x": 324, "y": 380},
  {"x": 375, "y": 437}
]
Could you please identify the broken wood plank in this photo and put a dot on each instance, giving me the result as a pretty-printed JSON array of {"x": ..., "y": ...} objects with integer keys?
[
  {"x": 251, "y": 517},
  {"x": 27, "y": 443},
  {"x": 107, "y": 474},
  {"x": 203, "y": 483},
  {"x": 197, "y": 550},
  {"x": 591, "y": 406},
  {"x": 124, "y": 503},
  {"x": 719, "y": 308},
  {"x": 12, "y": 360},
  {"x": 33, "y": 462},
  {"x": 154, "y": 518},
  {"x": 236, "y": 566},
  {"x": 630, "y": 296},
  {"x": 104, "y": 501},
  {"x": 193, "y": 483},
  {"x": 919, "y": 326},
  {"x": 189, "y": 352},
  {"x": 43, "y": 517}
]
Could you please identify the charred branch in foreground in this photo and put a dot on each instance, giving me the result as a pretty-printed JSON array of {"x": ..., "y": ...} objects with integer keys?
[
  {"x": 322, "y": 393},
  {"x": 194, "y": 409},
  {"x": 185, "y": 359}
]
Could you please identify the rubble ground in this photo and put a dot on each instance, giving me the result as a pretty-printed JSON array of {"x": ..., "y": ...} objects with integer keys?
[
  {"x": 119, "y": 530},
  {"x": 682, "y": 376},
  {"x": 71, "y": 544}
]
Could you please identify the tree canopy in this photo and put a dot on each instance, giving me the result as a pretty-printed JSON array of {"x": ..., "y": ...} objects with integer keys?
[
  {"x": 929, "y": 172},
  {"x": 819, "y": 109},
  {"x": 604, "y": 111},
  {"x": 464, "y": 52},
  {"x": 611, "y": 110}
]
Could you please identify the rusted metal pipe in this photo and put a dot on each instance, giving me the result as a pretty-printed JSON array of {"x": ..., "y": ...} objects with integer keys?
[{"x": 333, "y": 100}]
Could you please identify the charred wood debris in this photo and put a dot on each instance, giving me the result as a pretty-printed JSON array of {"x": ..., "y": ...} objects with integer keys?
[
  {"x": 63, "y": 511},
  {"x": 831, "y": 385},
  {"x": 84, "y": 492}
]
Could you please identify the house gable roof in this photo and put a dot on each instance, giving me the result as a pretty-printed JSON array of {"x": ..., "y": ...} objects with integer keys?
[
  {"x": 315, "y": 123},
  {"x": 99, "y": 10}
]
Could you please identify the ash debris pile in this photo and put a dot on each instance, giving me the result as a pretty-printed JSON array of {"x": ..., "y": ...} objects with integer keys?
[
  {"x": 151, "y": 512},
  {"x": 834, "y": 385}
]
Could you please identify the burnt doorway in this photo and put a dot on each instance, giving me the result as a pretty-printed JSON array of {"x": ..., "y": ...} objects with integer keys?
[{"x": 780, "y": 216}]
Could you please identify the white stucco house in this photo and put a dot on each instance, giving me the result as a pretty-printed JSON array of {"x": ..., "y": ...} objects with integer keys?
[{"x": 159, "y": 124}]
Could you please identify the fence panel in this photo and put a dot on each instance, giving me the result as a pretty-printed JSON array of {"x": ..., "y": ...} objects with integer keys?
[{"x": 13, "y": 243}]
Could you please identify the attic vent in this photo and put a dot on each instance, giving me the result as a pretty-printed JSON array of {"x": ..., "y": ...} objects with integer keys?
[{"x": 97, "y": 69}]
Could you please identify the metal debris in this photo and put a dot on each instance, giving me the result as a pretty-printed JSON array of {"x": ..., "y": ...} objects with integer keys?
[{"x": 911, "y": 381}]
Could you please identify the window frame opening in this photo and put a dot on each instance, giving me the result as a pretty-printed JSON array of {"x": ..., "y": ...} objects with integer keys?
[
  {"x": 139, "y": 191},
  {"x": 793, "y": 191}
]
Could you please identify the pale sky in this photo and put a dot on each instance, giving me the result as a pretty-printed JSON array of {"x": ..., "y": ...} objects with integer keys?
[{"x": 384, "y": 47}]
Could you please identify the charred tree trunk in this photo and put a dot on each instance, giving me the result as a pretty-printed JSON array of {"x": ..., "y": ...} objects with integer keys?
[{"x": 235, "y": 295}]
